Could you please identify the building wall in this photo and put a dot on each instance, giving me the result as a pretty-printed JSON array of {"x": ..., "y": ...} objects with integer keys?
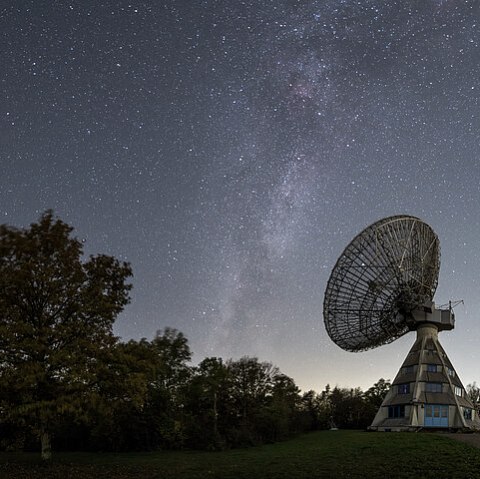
[{"x": 427, "y": 389}]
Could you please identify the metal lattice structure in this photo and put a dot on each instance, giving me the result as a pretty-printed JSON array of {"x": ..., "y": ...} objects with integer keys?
[{"x": 387, "y": 271}]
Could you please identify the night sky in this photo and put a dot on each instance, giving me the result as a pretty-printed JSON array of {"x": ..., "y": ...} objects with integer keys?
[{"x": 230, "y": 150}]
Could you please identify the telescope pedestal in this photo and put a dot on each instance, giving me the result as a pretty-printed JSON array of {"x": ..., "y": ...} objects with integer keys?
[{"x": 427, "y": 392}]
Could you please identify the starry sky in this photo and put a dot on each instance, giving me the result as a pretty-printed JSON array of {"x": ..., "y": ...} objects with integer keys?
[{"x": 230, "y": 150}]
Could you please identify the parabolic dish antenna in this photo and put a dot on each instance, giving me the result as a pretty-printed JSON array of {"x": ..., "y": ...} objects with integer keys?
[{"x": 387, "y": 271}]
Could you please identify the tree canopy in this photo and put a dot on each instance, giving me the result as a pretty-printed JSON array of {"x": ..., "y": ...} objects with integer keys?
[
  {"x": 64, "y": 376},
  {"x": 56, "y": 317}
]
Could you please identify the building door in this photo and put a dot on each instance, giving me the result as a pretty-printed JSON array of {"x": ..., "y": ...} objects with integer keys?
[{"x": 436, "y": 415}]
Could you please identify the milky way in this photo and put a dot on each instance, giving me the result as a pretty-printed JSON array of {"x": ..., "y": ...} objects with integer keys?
[{"x": 231, "y": 150}]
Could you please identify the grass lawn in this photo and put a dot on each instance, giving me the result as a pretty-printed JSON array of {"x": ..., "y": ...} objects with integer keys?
[{"x": 325, "y": 454}]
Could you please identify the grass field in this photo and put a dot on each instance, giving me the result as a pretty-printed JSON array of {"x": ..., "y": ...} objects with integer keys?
[{"x": 325, "y": 454}]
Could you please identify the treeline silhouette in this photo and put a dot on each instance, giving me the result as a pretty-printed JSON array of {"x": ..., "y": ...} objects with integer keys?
[
  {"x": 66, "y": 381},
  {"x": 147, "y": 396}
]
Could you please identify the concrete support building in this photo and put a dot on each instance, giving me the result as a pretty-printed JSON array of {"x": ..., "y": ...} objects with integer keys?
[{"x": 427, "y": 392}]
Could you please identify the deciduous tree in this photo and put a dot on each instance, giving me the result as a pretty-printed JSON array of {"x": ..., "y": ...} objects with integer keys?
[
  {"x": 56, "y": 317},
  {"x": 473, "y": 393}
]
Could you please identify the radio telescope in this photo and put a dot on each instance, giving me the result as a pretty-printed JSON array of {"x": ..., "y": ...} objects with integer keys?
[{"x": 381, "y": 288}]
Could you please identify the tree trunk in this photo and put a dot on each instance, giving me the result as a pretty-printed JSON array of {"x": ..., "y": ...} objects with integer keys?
[
  {"x": 215, "y": 416},
  {"x": 46, "y": 442}
]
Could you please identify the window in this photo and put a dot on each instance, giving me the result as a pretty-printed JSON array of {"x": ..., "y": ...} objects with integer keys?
[
  {"x": 432, "y": 368},
  {"x": 458, "y": 391},
  {"x": 404, "y": 388},
  {"x": 450, "y": 372},
  {"x": 396, "y": 411},
  {"x": 467, "y": 413},
  {"x": 436, "y": 415},
  {"x": 408, "y": 370},
  {"x": 433, "y": 387}
]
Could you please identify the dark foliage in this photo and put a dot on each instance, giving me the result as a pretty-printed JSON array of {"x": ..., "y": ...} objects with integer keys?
[
  {"x": 143, "y": 404},
  {"x": 66, "y": 378},
  {"x": 56, "y": 318}
]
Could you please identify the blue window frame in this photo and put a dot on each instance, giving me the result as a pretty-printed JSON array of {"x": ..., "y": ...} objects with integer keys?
[
  {"x": 432, "y": 368},
  {"x": 436, "y": 415},
  {"x": 467, "y": 413}
]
